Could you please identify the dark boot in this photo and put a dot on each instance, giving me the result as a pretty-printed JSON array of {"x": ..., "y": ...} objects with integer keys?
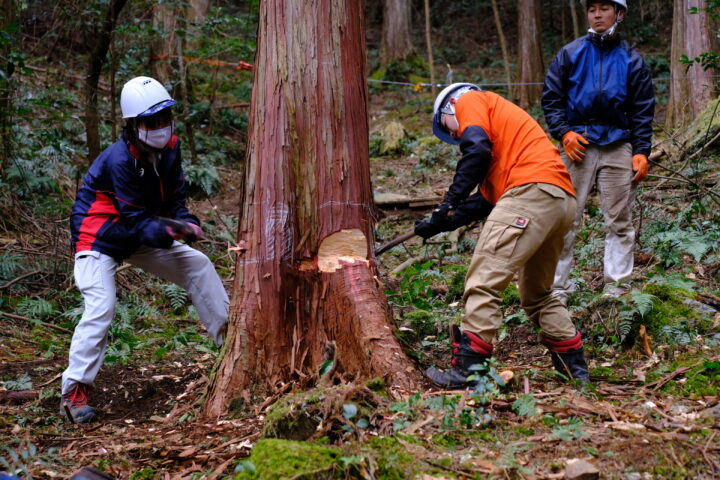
[
  {"x": 468, "y": 350},
  {"x": 74, "y": 405},
  {"x": 568, "y": 357}
]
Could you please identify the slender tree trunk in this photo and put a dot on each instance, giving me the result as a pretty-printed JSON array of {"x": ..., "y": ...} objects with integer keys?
[
  {"x": 396, "y": 43},
  {"x": 690, "y": 89},
  {"x": 428, "y": 42},
  {"x": 574, "y": 18},
  {"x": 530, "y": 63},
  {"x": 187, "y": 102},
  {"x": 164, "y": 47},
  {"x": 503, "y": 47},
  {"x": 307, "y": 275},
  {"x": 8, "y": 15},
  {"x": 96, "y": 60}
]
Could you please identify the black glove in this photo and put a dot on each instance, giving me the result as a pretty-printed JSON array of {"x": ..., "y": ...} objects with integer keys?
[
  {"x": 473, "y": 209},
  {"x": 426, "y": 229},
  {"x": 179, "y": 230},
  {"x": 440, "y": 221}
]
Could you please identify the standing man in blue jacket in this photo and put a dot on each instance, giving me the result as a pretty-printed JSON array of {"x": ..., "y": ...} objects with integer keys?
[
  {"x": 131, "y": 207},
  {"x": 598, "y": 100}
]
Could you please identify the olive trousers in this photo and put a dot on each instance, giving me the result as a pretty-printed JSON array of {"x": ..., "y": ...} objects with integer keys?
[{"x": 523, "y": 235}]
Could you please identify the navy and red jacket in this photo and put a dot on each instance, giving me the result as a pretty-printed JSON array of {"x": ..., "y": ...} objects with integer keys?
[
  {"x": 122, "y": 195},
  {"x": 601, "y": 89}
]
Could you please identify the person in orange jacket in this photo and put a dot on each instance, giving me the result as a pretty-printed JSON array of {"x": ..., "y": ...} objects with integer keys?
[
  {"x": 599, "y": 102},
  {"x": 530, "y": 206}
]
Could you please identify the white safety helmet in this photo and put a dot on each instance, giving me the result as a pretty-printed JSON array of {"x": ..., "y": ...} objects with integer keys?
[
  {"x": 620, "y": 3},
  {"x": 144, "y": 96},
  {"x": 456, "y": 90}
]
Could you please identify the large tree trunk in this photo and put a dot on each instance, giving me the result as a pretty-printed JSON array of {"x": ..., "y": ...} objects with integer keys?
[
  {"x": 530, "y": 63},
  {"x": 97, "y": 58},
  {"x": 396, "y": 43},
  {"x": 690, "y": 89},
  {"x": 307, "y": 275}
]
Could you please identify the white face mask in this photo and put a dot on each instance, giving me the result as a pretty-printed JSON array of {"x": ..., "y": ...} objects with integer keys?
[{"x": 156, "y": 138}]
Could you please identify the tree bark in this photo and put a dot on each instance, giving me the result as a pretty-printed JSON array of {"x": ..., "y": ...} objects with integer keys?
[
  {"x": 428, "y": 42},
  {"x": 306, "y": 277},
  {"x": 96, "y": 60},
  {"x": 197, "y": 11},
  {"x": 530, "y": 63},
  {"x": 690, "y": 89},
  {"x": 8, "y": 15},
  {"x": 503, "y": 47},
  {"x": 396, "y": 43},
  {"x": 164, "y": 48},
  {"x": 574, "y": 18}
]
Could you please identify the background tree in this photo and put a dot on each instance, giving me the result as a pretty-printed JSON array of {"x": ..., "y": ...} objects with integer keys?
[
  {"x": 692, "y": 84},
  {"x": 8, "y": 30},
  {"x": 396, "y": 42},
  {"x": 531, "y": 71},
  {"x": 306, "y": 281},
  {"x": 102, "y": 37},
  {"x": 503, "y": 46},
  {"x": 165, "y": 46}
]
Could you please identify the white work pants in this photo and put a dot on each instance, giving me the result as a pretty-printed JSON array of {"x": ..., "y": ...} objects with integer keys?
[
  {"x": 610, "y": 167},
  {"x": 95, "y": 278}
]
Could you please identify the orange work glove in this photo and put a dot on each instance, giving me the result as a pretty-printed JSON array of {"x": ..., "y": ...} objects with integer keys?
[
  {"x": 574, "y": 145},
  {"x": 640, "y": 165}
]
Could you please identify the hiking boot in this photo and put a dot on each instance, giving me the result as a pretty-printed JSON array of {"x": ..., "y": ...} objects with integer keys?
[
  {"x": 568, "y": 357},
  {"x": 74, "y": 405},
  {"x": 468, "y": 350}
]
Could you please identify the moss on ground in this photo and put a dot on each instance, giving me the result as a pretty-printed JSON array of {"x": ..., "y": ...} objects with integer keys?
[
  {"x": 294, "y": 417},
  {"x": 274, "y": 459}
]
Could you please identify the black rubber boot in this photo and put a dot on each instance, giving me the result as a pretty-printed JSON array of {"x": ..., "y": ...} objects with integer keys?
[
  {"x": 468, "y": 350},
  {"x": 568, "y": 357}
]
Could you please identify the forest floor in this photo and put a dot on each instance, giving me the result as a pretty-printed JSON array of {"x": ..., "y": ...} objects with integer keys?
[{"x": 651, "y": 411}]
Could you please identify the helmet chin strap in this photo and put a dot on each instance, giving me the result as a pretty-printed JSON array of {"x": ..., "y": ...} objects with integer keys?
[{"x": 607, "y": 33}]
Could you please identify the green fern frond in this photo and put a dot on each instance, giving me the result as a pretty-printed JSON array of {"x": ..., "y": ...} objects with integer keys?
[
  {"x": 176, "y": 295},
  {"x": 36, "y": 308},
  {"x": 9, "y": 265},
  {"x": 643, "y": 301}
]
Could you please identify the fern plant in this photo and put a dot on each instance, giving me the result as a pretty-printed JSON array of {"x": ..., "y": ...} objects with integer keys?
[
  {"x": 9, "y": 265},
  {"x": 36, "y": 308},
  {"x": 176, "y": 295}
]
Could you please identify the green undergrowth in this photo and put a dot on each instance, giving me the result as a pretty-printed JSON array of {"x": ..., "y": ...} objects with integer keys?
[
  {"x": 702, "y": 378},
  {"x": 388, "y": 457}
]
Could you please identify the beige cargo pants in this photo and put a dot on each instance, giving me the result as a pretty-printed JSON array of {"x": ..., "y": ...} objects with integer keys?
[
  {"x": 524, "y": 234},
  {"x": 610, "y": 167}
]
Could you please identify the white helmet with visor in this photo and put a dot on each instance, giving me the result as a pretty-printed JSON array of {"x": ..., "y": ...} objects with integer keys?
[{"x": 144, "y": 96}]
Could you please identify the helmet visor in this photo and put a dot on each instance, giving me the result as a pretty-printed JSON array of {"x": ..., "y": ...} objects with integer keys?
[{"x": 157, "y": 107}]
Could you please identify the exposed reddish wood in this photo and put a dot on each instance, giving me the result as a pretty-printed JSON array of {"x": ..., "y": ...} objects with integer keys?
[{"x": 307, "y": 179}]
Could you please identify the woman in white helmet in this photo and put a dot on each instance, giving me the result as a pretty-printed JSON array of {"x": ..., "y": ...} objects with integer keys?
[{"x": 131, "y": 207}]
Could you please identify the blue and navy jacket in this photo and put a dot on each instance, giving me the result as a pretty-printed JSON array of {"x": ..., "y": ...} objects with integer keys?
[
  {"x": 122, "y": 195},
  {"x": 602, "y": 90}
]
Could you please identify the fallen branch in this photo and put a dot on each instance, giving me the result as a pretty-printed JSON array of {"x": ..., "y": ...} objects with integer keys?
[
  {"x": 15, "y": 280},
  {"x": 17, "y": 397},
  {"x": 45, "y": 324}
]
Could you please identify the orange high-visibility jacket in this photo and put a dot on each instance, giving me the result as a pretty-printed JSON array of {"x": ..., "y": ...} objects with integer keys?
[{"x": 503, "y": 147}]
